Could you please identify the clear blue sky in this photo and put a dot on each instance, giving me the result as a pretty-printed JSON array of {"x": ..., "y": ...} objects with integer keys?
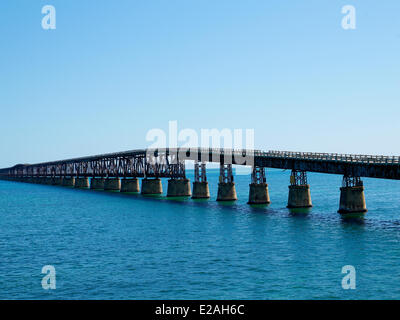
[{"x": 112, "y": 70}]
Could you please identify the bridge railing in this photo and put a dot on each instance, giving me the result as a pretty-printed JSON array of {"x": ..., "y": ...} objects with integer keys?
[
  {"x": 335, "y": 157},
  {"x": 364, "y": 159},
  {"x": 373, "y": 159}
]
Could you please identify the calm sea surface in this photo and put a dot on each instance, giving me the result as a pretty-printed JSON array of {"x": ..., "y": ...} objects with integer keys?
[{"x": 112, "y": 246}]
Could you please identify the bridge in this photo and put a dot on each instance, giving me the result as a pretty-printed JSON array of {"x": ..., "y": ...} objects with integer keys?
[{"x": 120, "y": 172}]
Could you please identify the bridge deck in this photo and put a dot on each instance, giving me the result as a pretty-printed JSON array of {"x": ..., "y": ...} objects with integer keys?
[{"x": 122, "y": 163}]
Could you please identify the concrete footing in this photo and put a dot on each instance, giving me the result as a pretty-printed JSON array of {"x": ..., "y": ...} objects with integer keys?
[
  {"x": 112, "y": 184},
  {"x": 68, "y": 182},
  {"x": 97, "y": 183},
  {"x": 352, "y": 200},
  {"x": 200, "y": 190},
  {"x": 299, "y": 196},
  {"x": 130, "y": 185},
  {"x": 258, "y": 194},
  {"x": 226, "y": 191},
  {"x": 82, "y": 183},
  {"x": 179, "y": 188},
  {"x": 151, "y": 186}
]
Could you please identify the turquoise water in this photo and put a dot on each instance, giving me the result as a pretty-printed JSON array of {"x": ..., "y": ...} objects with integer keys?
[{"x": 114, "y": 246}]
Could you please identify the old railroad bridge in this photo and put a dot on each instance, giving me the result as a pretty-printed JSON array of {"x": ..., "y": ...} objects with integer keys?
[{"x": 120, "y": 172}]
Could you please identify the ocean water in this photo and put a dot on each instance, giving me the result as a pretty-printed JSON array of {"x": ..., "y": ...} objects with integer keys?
[{"x": 107, "y": 245}]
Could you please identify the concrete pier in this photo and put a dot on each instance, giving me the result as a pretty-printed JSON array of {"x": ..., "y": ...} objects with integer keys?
[
  {"x": 97, "y": 184},
  {"x": 200, "y": 190},
  {"x": 299, "y": 190},
  {"x": 68, "y": 182},
  {"x": 112, "y": 184},
  {"x": 259, "y": 194},
  {"x": 82, "y": 183},
  {"x": 299, "y": 196},
  {"x": 179, "y": 188},
  {"x": 352, "y": 200},
  {"x": 200, "y": 184},
  {"x": 151, "y": 186},
  {"x": 226, "y": 186},
  {"x": 226, "y": 191},
  {"x": 130, "y": 185}
]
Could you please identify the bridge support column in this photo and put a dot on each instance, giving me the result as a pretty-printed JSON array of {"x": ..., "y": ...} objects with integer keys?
[
  {"x": 151, "y": 186},
  {"x": 201, "y": 190},
  {"x": 226, "y": 186},
  {"x": 352, "y": 198},
  {"x": 200, "y": 184},
  {"x": 130, "y": 185},
  {"x": 299, "y": 190},
  {"x": 258, "y": 193},
  {"x": 68, "y": 182},
  {"x": 97, "y": 184},
  {"x": 179, "y": 188},
  {"x": 82, "y": 183},
  {"x": 112, "y": 184}
]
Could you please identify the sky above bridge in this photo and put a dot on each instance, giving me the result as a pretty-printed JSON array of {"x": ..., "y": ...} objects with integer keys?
[{"x": 113, "y": 70}]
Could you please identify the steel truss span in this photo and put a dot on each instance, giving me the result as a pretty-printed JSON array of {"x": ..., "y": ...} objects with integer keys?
[{"x": 170, "y": 163}]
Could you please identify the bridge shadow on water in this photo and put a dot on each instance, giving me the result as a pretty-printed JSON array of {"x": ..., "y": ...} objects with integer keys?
[
  {"x": 186, "y": 201},
  {"x": 348, "y": 220},
  {"x": 299, "y": 212},
  {"x": 353, "y": 219},
  {"x": 211, "y": 203}
]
